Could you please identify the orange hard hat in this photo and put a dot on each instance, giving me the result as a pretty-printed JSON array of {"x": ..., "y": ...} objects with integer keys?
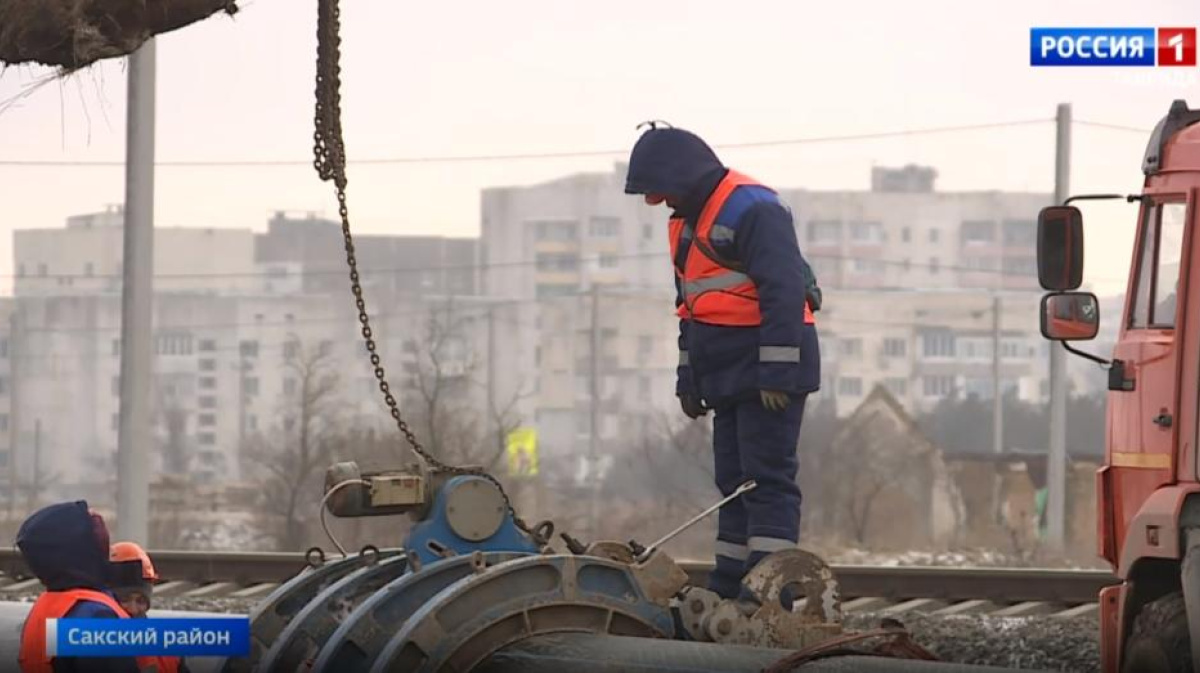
[{"x": 123, "y": 552}]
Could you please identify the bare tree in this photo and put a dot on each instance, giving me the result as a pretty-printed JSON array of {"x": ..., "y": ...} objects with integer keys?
[{"x": 295, "y": 456}]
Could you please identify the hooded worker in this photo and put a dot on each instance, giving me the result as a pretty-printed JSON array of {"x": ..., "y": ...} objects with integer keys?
[
  {"x": 66, "y": 546},
  {"x": 747, "y": 336}
]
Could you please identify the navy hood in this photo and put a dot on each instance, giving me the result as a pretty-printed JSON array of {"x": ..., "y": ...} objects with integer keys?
[
  {"x": 64, "y": 549},
  {"x": 671, "y": 162}
]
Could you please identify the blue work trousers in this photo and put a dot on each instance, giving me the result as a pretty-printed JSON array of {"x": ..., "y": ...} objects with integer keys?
[{"x": 753, "y": 442}]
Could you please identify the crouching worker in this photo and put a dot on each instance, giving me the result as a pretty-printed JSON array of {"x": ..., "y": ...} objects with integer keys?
[
  {"x": 133, "y": 578},
  {"x": 67, "y": 547}
]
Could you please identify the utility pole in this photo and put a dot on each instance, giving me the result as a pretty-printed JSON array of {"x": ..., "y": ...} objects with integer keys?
[
  {"x": 137, "y": 302},
  {"x": 594, "y": 434},
  {"x": 1056, "y": 473},
  {"x": 997, "y": 404},
  {"x": 14, "y": 406},
  {"x": 491, "y": 378}
]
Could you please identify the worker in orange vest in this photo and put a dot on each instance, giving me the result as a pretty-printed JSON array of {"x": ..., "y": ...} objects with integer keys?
[
  {"x": 66, "y": 546},
  {"x": 748, "y": 350},
  {"x": 133, "y": 579}
]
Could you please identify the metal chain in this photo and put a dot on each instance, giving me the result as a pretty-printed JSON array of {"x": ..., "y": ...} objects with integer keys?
[{"x": 329, "y": 158}]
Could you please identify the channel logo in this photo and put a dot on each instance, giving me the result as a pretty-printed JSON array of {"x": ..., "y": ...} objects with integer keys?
[{"x": 1112, "y": 47}]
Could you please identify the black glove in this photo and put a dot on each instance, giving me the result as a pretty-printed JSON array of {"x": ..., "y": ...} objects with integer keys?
[{"x": 691, "y": 406}]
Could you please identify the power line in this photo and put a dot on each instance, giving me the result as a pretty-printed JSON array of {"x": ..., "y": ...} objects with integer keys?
[
  {"x": 573, "y": 154},
  {"x": 1112, "y": 127}
]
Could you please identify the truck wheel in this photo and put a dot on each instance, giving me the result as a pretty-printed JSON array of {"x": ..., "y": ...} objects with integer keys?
[{"x": 1159, "y": 642}]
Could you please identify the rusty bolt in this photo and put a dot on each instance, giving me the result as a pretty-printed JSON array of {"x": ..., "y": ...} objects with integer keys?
[
  {"x": 724, "y": 627},
  {"x": 697, "y": 606}
]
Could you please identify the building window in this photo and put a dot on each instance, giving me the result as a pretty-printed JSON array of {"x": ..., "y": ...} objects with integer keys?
[
  {"x": 289, "y": 386},
  {"x": 647, "y": 231},
  {"x": 248, "y": 349},
  {"x": 937, "y": 386},
  {"x": 89, "y": 269},
  {"x": 1020, "y": 266},
  {"x": 291, "y": 349},
  {"x": 207, "y": 402},
  {"x": 825, "y": 231},
  {"x": 548, "y": 290},
  {"x": 556, "y": 230},
  {"x": 250, "y": 386},
  {"x": 557, "y": 262},
  {"x": 866, "y": 232},
  {"x": 645, "y": 345},
  {"x": 895, "y": 348},
  {"x": 115, "y": 422},
  {"x": 251, "y": 422},
  {"x": 206, "y": 438},
  {"x": 644, "y": 387},
  {"x": 208, "y": 365},
  {"x": 938, "y": 344},
  {"x": 869, "y": 266},
  {"x": 851, "y": 347},
  {"x": 934, "y": 234},
  {"x": 850, "y": 386},
  {"x": 1020, "y": 233},
  {"x": 978, "y": 232},
  {"x": 289, "y": 423},
  {"x": 609, "y": 261},
  {"x": 207, "y": 345},
  {"x": 208, "y": 383},
  {"x": 42, "y": 270},
  {"x": 935, "y": 265},
  {"x": 206, "y": 420},
  {"x": 3, "y": 385},
  {"x": 896, "y": 386},
  {"x": 906, "y": 235},
  {"x": 604, "y": 227},
  {"x": 3, "y": 422},
  {"x": 116, "y": 347},
  {"x": 173, "y": 344}
]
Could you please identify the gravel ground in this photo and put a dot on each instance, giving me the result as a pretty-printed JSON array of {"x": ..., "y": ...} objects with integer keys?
[
  {"x": 1037, "y": 643},
  {"x": 1015, "y": 642}
]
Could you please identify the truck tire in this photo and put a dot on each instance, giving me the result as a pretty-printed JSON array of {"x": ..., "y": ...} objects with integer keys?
[{"x": 1159, "y": 642}]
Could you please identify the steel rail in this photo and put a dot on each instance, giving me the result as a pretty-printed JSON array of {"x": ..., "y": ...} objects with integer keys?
[{"x": 895, "y": 583}]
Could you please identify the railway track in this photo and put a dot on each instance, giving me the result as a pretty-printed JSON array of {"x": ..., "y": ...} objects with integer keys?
[{"x": 1011, "y": 592}]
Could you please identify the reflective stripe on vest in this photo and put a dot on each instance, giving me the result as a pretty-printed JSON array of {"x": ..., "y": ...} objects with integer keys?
[
  {"x": 712, "y": 292},
  {"x": 33, "y": 657}
]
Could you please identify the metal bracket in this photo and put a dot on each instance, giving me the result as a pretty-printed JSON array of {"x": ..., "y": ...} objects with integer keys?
[
  {"x": 308, "y": 631},
  {"x": 271, "y": 617},
  {"x": 477, "y": 616},
  {"x": 360, "y": 637}
]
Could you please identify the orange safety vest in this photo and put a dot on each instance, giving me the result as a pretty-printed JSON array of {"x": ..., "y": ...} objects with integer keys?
[
  {"x": 714, "y": 290},
  {"x": 56, "y": 605}
]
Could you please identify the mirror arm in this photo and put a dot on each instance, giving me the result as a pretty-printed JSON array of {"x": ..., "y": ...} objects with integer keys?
[
  {"x": 1088, "y": 356},
  {"x": 1104, "y": 197}
]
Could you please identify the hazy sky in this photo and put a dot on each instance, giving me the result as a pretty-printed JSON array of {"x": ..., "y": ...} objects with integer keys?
[{"x": 472, "y": 78}]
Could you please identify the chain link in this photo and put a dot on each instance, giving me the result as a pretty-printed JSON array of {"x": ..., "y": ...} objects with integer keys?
[{"x": 329, "y": 158}]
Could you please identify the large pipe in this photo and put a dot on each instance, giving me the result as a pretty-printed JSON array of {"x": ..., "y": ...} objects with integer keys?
[{"x": 590, "y": 653}]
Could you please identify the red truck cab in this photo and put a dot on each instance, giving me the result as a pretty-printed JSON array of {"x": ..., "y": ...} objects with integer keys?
[{"x": 1148, "y": 491}]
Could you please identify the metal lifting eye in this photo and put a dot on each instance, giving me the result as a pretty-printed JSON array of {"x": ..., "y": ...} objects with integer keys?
[{"x": 653, "y": 124}]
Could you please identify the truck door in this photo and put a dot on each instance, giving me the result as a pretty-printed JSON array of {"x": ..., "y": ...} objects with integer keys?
[{"x": 1145, "y": 421}]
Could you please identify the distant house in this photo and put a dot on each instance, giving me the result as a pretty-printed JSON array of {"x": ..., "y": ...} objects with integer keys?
[{"x": 890, "y": 485}]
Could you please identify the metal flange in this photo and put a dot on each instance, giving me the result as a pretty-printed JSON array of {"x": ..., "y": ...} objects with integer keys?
[
  {"x": 271, "y": 616},
  {"x": 311, "y": 627},
  {"x": 478, "y": 615},
  {"x": 360, "y": 638}
]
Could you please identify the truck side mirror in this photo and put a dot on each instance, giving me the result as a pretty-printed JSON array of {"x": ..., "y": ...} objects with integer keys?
[
  {"x": 1070, "y": 316},
  {"x": 1060, "y": 248}
]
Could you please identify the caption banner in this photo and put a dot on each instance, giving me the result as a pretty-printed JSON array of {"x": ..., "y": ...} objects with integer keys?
[{"x": 192, "y": 637}]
